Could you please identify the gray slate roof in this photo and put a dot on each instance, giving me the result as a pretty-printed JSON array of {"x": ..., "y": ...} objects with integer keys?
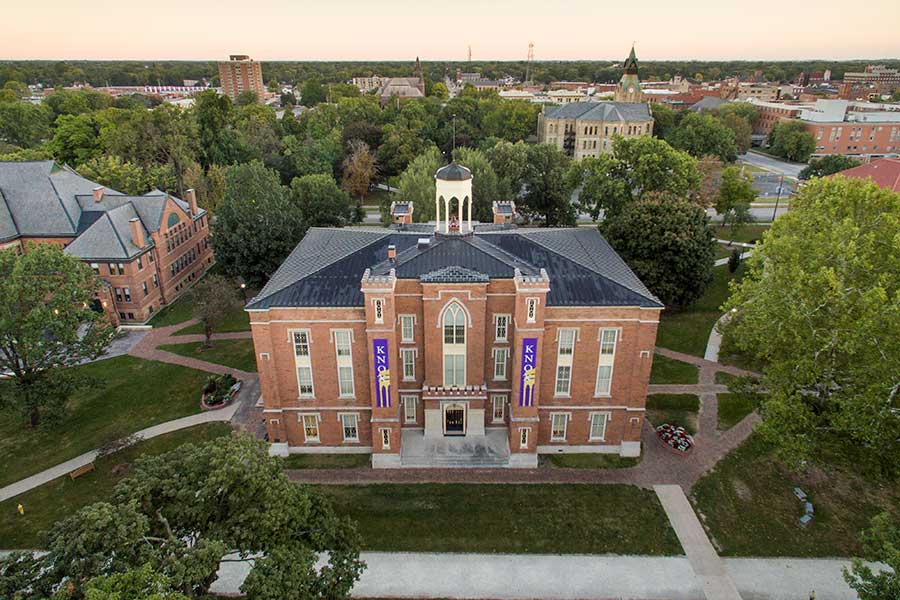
[
  {"x": 326, "y": 268},
  {"x": 42, "y": 199},
  {"x": 600, "y": 111},
  {"x": 706, "y": 103}
]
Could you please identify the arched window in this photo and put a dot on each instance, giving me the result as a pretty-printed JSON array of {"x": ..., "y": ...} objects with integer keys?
[
  {"x": 454, "y": 325},
  {"x": 173, "y": 220}
]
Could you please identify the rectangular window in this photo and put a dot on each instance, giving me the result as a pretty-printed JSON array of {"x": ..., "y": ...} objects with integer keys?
[
  {"x": 342, "y": 338},
  {"x": 385, "y": 439},
  {"x": 500, "y": 359},
  {"x": 304, "y": 381},
  {"x": 523, "y": 437},
  {"x": 454, "y": 370},
  {"x": 558, "y": 423},
  {"x": 408, "y": 357},
  {"x": 112, "y": 268},
  {"x": 350, "y": 429},
  {"x": 127, "y": 293},
  {"x": 144, "y": 287},
  {"x": 379, "y": 310},
  {"x": 501, "y": 331},
  {"x": 311, "y": 427},
  {"x": 118, "y": 294},
  {"x": 498, "y": 406},
  {"x": 608, "y": 339},
  {"x": 155, "y": 280},
  {"x": 301, "y": 343},
  {"x": 140, "y": 263},
  {"x": 407, "y": 333},
  {"x": 531, "y": 309},
  {"x": 598, "y": 426},
  {"x": 121, "y": 269},
  {"x": 564, "y": 361},
  {"x": 409, "y": 410}
]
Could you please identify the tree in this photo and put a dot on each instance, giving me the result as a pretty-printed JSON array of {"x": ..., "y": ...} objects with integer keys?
[
  {"x": 791, "y": 140},
  {"x": 359, "y": 170},
  {"x": 668, "y": 244},
  {"x": 312, "y": 92},
  {"x": 320, "y": 201},
  {"x": 246, "y": 98},
  {"x": 882, "y": 544},
  {"x": 485, "y": 183},
  {"x": 218, "y": 142},
  {"x": 548, "y": 192},
  {"x": 702, "y": 135},
  {"x": 509, "y": 161},
  {"x": 258, "y": 133},
  {"x": 736, "y": 187},
  {"x": 144, "y": 582},
  {"x": 828, "y": 165},
  {"x": 637, "y": 167},
  {"x": 256, "y": 225},
  {"x": 664, "y": 120},
  {"x": 747, "y": 111},
  {"x": 126, "y": 177},
  {"x": 741, "y": 129},
  {"x": 76, "y": 139},
  {"x": 511, "y": 120},
  {"x": 417, "y": 184},
  {"x": 24, "y": 124},
  {"x": 820, "y": 307},
  {"x": 440, "y": 91},
  {"x": 212, "y": 300},
  {"x": 46, "y": 325},
  {"x": 178, "y": 514}
]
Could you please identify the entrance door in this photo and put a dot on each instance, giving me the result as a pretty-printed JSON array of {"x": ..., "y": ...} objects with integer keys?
[{"x": 455, "y": 420}]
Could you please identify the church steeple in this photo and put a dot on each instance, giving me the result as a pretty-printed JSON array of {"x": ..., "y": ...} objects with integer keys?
[
  {"x": 419, "y": 74},
  {"x": 629, "y": 88}
]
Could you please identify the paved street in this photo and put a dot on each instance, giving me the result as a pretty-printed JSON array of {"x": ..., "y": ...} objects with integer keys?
[{"x": 775, "y": 165}]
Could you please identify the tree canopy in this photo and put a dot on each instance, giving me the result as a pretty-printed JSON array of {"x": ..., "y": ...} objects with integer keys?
[
  {"x": 828, "y": 165},
  {"x": 820, "y": 308},
  {"x": 791, "y": 140}
]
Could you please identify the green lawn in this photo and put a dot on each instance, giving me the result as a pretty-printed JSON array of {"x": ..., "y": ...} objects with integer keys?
[
  {"x": 61, "y": 497},
  {"x": 668, "y": 370},
  {"x": 577, "y": 519},
  {"x": 688, "y": 330},
  {"x": 723, "y": 378},
  {"x": 732, "y": 409},
  {"x": 181, "y": 311},
  {"x": 328, "y": 461},
  {"x": 238, "y": 354},
  {"x": 591, "y": 461},
  {"x": 723, "y": 251},
  {"x": 134, "y": 394},
  {"x": 236, "y": 320},
  {"x": 730, "y": 355},
  {"x": 675, "y": 409},
  {"x": 748, "y": 234},
  {"x": 177, "y": 312},
  {"x": 750, "y": 509}
]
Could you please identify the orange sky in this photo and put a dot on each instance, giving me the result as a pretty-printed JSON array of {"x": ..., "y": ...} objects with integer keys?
[{"x": 496, "y": 29}]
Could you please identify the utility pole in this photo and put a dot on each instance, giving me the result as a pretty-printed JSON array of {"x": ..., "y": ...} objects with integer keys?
[
  {"x": 528, "y": 66},
  {"x": 777, "y": 199}
]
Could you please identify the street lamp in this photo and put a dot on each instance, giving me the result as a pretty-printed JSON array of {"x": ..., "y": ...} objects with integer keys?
[{"x": 243, "y": 285}]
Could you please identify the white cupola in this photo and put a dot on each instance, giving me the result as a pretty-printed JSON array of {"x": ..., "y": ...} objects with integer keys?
[{"x": 451, "y": 182}]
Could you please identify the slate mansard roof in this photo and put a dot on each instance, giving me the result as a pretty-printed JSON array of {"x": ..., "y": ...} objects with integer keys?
[
  {"x": 327, "y": 266},
  {"x": 601, "y": 111},
  {"x": 42, "y": 199}
]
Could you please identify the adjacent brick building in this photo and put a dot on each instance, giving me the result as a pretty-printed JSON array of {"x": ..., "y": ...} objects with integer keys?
[
  {"x": 241, "y": 74},
  {"x": 423, "y": 335},
  {"x": 146, "y": 249}
]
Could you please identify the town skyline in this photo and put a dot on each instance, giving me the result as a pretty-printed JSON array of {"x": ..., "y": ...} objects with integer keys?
[{"x": 397, "y": 29}]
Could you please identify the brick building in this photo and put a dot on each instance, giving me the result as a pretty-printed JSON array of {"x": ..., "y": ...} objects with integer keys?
[
  {"x": 453, "y": 342},
  {"x": 583, "y": 129},
  {"x": 147, "y": 249},
  {"x": 241, "y": 74}
]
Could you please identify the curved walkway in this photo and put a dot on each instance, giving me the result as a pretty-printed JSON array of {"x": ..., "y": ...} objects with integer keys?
[{"x": 241, "y": 412}]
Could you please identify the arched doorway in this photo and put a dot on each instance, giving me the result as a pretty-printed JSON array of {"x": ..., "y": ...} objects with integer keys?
[{"x": 455, "y": 419}]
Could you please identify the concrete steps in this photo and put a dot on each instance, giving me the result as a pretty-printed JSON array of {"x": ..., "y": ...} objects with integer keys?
[{"x": 462, "y": 462}]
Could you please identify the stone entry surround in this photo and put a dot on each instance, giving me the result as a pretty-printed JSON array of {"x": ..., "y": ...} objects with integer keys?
[{"x": 491, "y": 449}]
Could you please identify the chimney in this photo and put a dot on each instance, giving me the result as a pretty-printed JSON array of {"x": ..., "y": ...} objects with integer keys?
[
  {"x": 137, "y": 233},
  {"x": 98, "y": 193},
  {"x": 504, "y": 211},
  {"x": 401, "y": 213},
  {"x": 392, "y": 253},
  {"x": 423, "y": 243},
  {"x": 191, "y": 196}
]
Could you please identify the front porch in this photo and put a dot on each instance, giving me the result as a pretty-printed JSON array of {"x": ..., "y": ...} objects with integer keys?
[{"x": 489, "y": 450}]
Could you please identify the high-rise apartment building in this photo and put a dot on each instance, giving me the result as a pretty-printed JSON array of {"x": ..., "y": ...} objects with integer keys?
[{"x": 241, "y": 74}]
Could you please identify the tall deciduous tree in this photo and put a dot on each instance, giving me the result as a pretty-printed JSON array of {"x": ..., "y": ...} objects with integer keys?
[
  {"x": 702, "y": 135},
  {"x": 827, "y": 165},
  {"x": 509, "y": 161},
  {"x": 176, "y": 516},
  {"x": 736, "y": 187},
  {"x": 510, "y": 120},
  {"x": 46, "y": 325},
  {"x": 321, "y": 202},
  {"x": 668, "y": 244},
  {"x": 881, "y": 544},
  {"x": 214, "y": 115},
  {"x": 256, "y": 225},
  {"x": 212, "y": 299},
  {"x": 359, "y": 170},
  {"x": 548, "y": 191},
  {"x": 417, "y": 184},
  {"x": 485, "y": 183},
  {"x": 126, "y": 177},
  {"x": 820, "y": 307},
  {"x": 791, "y": 140}
]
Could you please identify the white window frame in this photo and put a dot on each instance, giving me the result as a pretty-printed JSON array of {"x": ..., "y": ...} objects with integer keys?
[
  {"x": 505, "y": 319},
  {"x": 385, "y": 438},
  {"x": 606, "y": 418},
  {"x": 605, "y": 362},
  {"x": 307, "y": 438},
  {"x": 378, "y": 309},
  {"x": 404, "y": 354},
  {"x": 524, "y": 435},
  {"x": 409, "y": 402},
  {"x": 498, "y": 352},
  {"x": 303, "y": 361},
  {"x": 565, "y": 426},
  {"x": 404, "y": 321},
  {"x": 344, "y": 361},
  {"x": 455, "y": 349},
  {"x": 531, "y": 305},
  {"x": 498, "y": 400},
  {"x": 344, "y": 426},
  {"x": 565, "y": 360}
]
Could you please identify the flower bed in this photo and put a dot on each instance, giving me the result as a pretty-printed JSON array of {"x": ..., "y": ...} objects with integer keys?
[
  {"x": 675, "y": 438},
  {"x": 218, "y": 391}
]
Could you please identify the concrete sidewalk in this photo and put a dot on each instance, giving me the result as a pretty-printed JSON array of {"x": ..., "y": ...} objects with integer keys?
[{"x": 571, "y": 577}]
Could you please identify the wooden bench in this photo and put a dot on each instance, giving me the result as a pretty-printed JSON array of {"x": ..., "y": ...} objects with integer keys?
[{"x": 82, "y": 470}]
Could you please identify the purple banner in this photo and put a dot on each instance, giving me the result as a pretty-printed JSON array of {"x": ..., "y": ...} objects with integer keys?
[
  {"x": 382, "y": 373},
  {"x": 529, "y": 372}
]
